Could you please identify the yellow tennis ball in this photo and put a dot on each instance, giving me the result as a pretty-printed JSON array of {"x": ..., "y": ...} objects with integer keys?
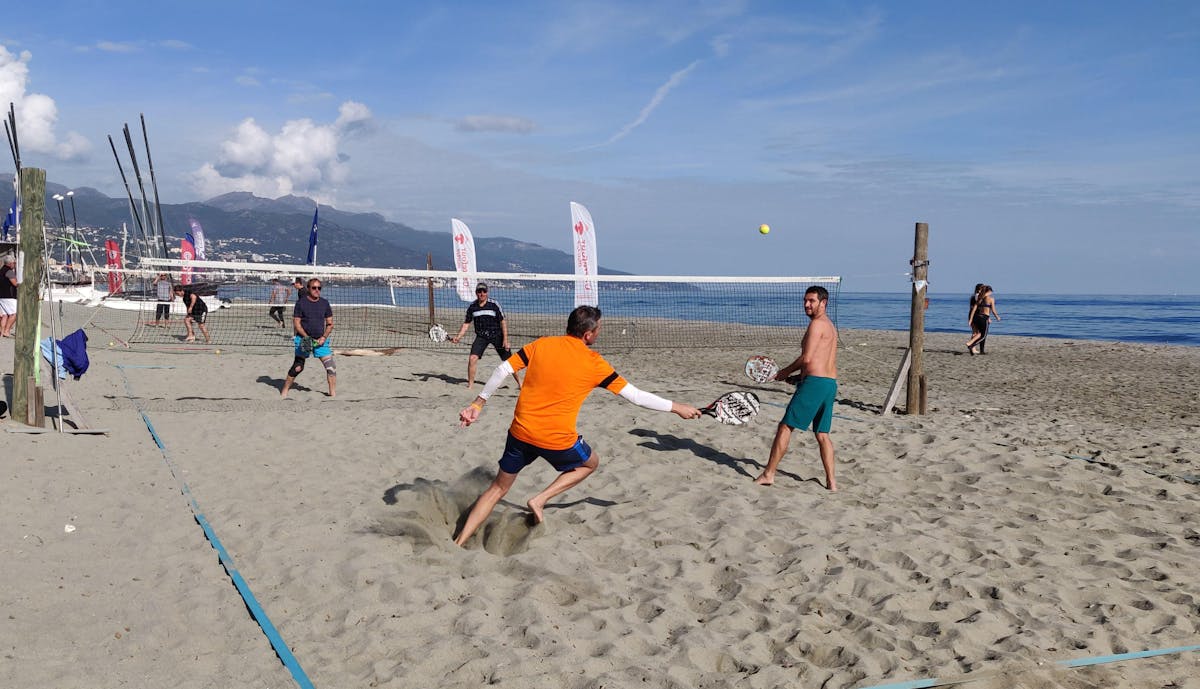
[
  {"x": 218, "y": 351},
  {"x": 764, "y": 228},
  {"x": 110, "y": 344}
]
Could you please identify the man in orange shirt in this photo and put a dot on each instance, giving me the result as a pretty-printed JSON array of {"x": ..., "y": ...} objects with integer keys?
[{"x": 561, "y": 371}]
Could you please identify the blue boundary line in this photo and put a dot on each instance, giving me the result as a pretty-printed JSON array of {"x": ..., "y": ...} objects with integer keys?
[
  {"x": 256, "y": 611},
  {"x": 1078, "y": 662}
]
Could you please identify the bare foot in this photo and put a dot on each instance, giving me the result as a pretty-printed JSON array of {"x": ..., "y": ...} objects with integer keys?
[
  {"x": 283, "y": 395},
  {"x": 763, "y": 480},
  {"x": 536, "y": 508}
]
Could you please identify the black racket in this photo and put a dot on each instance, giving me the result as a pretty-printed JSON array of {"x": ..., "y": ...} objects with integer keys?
[{"x": 733, "y": 408}]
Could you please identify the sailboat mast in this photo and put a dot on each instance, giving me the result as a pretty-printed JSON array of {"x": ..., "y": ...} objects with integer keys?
[{"x": 162, "y": 233}]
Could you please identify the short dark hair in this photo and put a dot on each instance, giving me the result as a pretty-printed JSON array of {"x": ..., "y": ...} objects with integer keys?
[
  {"x": 583, "y": 319},
  {"x": 821, "y": 292}
]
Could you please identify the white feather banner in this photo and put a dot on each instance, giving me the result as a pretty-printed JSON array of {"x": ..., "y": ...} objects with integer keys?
[
  {"x": 583, "y": 235},
  {"x": 464, "y": 259}
]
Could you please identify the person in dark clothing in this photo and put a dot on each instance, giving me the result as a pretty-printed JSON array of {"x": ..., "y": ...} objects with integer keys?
[
  {"x": 197, "y": 313},
  {"x": 312, "y": 320},
  {"x": 490, "y": 329}
]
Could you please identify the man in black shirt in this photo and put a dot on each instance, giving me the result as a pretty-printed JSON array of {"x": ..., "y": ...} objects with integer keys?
[
  {"x": 490, "y": 329},
  {"x": 197, "y": 313},
  {"x": 312, "y": 320}
]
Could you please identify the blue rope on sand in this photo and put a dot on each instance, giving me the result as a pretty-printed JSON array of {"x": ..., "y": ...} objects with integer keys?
[
  {"x": 256, "y": 610},
  {"x": 1078, "y": 662}
]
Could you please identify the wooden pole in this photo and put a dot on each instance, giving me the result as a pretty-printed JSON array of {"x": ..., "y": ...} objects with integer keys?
[
  {"x": 429, "y": 282},
  {"x": 916, "y": 331},
  {"x": 29, "y": 305}
]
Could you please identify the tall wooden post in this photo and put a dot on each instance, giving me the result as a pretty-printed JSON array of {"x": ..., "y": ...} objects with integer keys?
[
  {"x": 29, "y": 305},
  {"x": 916, "y": 331},
  {"x": 429, "y": 266}
]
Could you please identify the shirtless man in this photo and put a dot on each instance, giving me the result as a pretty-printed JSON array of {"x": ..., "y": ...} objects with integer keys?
[
  {"x": 560, "y": 372},
  {"x": 813, "y": 400}
]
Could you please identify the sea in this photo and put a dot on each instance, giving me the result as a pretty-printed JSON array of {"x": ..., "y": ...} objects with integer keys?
[{"x": 1149, "y": 319}]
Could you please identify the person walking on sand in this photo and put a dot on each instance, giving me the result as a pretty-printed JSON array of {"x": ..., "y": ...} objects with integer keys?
[
  {"x": 490, "y": 329},
  {"x": 561, "y": 371},
  {"x": 982, "y": 314},
  {"x": 165, "y": 294},
  {"x": 812, "y": 403},
  {"x": 8, "y": 295},
  {"x": 277, "y": 299},
  {"x": 197, "y": 313},
  {"x": 971, "y": 315},
  {"x": 312, "y": 320}
]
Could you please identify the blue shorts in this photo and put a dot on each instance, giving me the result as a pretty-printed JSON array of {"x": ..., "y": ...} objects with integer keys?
[
  {"x": 320, "y": 352},
  {"x": 812, "y": 403},
  {"x": 519, "y": 454}
]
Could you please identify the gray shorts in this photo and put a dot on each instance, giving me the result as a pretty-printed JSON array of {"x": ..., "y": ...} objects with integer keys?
[{"x": 8, "y": 307}]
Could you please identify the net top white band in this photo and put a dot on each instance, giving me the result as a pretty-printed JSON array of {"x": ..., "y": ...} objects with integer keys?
[{"x": 259, "y": 268}]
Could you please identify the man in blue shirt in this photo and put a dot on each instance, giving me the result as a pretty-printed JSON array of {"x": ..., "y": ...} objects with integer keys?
[{"x": 312, "y": 320}]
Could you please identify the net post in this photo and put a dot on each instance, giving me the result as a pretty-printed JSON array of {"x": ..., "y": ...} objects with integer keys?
[
  {"x": 29, "y": 305},
  {"x": 916, "y": 330},
  {"x": 429, "y": 283}
]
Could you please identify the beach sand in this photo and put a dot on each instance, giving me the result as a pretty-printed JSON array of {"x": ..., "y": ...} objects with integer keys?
[{"x": 972, "y": 541}]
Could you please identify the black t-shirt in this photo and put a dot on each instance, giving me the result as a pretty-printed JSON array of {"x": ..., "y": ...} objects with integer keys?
[
  {"x": 200, "y": 306},
  {"x": 7, "y": 289},
  {"x": 487, "y": 318},
  {"x": 312, "y": 315}
]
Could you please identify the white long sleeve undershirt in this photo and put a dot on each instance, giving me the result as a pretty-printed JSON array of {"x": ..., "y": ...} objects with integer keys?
[{"x": 630, "y": 392}]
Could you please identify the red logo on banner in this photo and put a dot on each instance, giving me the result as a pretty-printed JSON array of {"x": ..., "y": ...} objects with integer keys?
[
  {"x": 579, "y": 228},
  {"x": 116, "y": 281},
  {"x": 460, "y": 238}
]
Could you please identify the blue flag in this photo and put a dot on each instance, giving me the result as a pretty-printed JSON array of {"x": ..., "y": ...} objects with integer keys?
[
  {"x": 10, "y": 220},
  {"x": 312, "y": 241}
]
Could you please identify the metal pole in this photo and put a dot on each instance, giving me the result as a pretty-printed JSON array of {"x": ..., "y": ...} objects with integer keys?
[
  {"x": 124, "y": 180},
  {"x": 162, "y": 232}
]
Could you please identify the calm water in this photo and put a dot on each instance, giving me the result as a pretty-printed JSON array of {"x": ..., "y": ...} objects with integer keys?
[
  {"x": 1154, "y": 319},
  {"x": 1146, "y": 319}
]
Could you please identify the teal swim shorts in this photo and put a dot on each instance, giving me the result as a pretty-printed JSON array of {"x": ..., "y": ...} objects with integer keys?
[{"x": 812, "y": 403}]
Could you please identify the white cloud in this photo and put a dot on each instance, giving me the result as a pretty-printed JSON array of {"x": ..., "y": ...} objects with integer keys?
[
  {"x": 116, "y": 47},
  {"x": 659, "y": 96},
  {"x": 495, "y": 123},
  {"x": 247, "y": 80},
  {"x": 175, "y": 44},
  {"x": 36, "y": 113},
  {"x": 303, "y": 157}
]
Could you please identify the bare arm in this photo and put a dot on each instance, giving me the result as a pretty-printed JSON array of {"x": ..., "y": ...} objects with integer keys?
[
  {"x": 992, "y": 303},
  {"x": 328, "y": 329},
  {"x": 504, "y": 331}
]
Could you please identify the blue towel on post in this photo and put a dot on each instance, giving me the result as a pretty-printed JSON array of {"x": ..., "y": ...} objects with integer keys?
[{"x": 74, "y": 352}]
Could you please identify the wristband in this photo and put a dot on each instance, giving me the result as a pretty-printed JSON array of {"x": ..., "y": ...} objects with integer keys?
[{"x": 477, "y": 406}]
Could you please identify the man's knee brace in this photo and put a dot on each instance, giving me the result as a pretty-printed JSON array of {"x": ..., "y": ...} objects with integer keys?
[
  {"x": 297, "y": 367},
  {"x": 330, "y": 366}
]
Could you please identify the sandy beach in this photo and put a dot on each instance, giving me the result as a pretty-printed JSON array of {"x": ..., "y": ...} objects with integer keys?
[{"x": 975, "y": 541}]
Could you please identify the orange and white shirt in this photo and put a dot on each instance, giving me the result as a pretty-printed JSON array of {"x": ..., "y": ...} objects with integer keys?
[{"x": 562, "y": 372}]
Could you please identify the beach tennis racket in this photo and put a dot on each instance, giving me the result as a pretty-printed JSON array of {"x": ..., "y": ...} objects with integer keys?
[
  {"x": 306, "y": 345},
  {"x": 761, "y": 369},
  {"x": 733, "y": 408},
  {"x": 437, "y": 333}
]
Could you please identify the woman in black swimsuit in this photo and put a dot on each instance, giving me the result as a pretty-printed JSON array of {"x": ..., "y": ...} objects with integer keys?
[{"x": 982, "y": 312}]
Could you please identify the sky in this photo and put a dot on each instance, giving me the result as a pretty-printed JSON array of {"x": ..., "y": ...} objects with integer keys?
[{"x": 1052, "y": 147}]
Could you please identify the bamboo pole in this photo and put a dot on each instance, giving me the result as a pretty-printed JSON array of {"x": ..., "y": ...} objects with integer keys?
[
  {"x": 29, "y": 312},
  {"x": 916, "y": 330}
]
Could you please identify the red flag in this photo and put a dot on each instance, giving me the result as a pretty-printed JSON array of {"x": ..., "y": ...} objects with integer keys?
[
  {"x": 187, "y": 252},
  {"x": 112, "y": 252}
]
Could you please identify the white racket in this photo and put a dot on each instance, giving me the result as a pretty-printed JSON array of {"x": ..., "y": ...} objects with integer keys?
[
  {"x": 437, "y": 333},
  {"x": 761, "y": 369},
  {"x": 733, "y": 408}
]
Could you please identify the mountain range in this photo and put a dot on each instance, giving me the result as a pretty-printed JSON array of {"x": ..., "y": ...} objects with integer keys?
[{"x": 242, "y": 227}]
